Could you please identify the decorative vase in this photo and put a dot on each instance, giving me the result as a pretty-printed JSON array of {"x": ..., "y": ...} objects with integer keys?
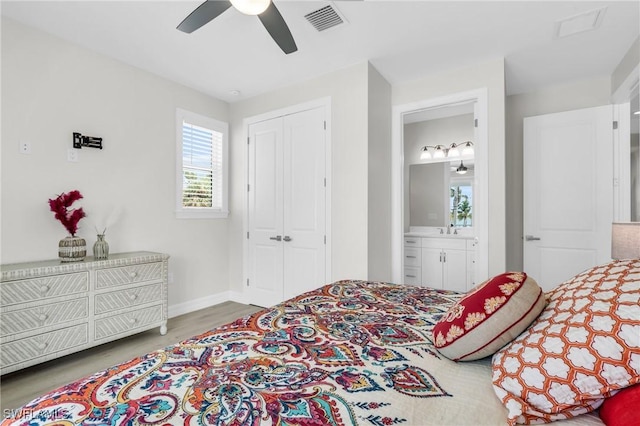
[
  {"x": 72, "y": 249},
  {"x": 101, "y": 248}
]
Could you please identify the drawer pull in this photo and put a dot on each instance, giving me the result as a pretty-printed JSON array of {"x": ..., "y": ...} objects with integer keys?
[
  {"x": 42, "y": 346},
  {"x": 410, "y": 257},
  {"x": 133, "y": 274},
  {"x": 44, "y": 289},
  {"x": 410, "y": 242},
  {"x": 43, "y": 317},
  {"x": 410, "y": 276},
  {"x": 133, "y": 297},
  {"x": 133, "y": 320}
]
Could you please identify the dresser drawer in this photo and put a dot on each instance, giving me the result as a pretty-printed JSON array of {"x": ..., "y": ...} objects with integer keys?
[
  {"x": 113, "y": 277},
  {"x": 122, "y": 323},
  {"x": 412, "y": 257},
  {"x": 33, "y": 289},
  {"x": 412, "y": 275},
  {"x": 124, "y": 298},
  {"x": 412, "y": 241},
  {"x": 32, "y": 318},
  {"x": 43, "y": 345}
]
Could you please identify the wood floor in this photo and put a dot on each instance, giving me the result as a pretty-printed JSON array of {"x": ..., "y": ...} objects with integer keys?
[{"x": 20, "y": 387}]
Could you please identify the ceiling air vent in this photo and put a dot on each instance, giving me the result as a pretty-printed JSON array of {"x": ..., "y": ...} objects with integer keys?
[{"x": 325, "y": 18}]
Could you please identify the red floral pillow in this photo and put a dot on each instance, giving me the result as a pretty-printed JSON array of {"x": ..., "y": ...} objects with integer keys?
[
  {"x": 490, "y": 316},
  {"x": 622, "y": 408}
]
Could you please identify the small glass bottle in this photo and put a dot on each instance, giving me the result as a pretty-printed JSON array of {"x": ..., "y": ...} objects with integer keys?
[{"x": 101, "y": 248}]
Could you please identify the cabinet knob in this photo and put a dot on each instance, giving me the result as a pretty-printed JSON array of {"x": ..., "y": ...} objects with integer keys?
[
  {"x": 133, "y": 296},
  {"x": 44, "y": 289},
  {"x": 43, "y": 317},
  {"x": 133, "y": 274},
  {"x": 42, "y": 345},
  {"x": 133, "y": 320}
]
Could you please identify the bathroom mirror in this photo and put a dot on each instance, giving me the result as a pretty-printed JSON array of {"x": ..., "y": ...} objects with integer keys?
[
  {"x": 437, "y": 193},
  {"x": 440, "y": 195}
]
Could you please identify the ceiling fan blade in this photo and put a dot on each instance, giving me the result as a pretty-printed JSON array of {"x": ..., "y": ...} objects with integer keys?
[
  {"x": 203, "y": 14},
  {"x": 278, "y": 29}
]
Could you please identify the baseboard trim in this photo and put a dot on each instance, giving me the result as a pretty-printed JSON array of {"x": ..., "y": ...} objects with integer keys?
[{"x": 197, "y": 304}]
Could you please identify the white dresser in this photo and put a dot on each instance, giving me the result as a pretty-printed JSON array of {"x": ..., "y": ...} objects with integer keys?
[
  {"x": 440, "y": 262},
  {"x": 49, "y": 309}
]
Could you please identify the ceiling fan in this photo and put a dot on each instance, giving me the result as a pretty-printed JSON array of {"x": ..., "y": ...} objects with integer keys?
[{"x": 267, "y": 12}]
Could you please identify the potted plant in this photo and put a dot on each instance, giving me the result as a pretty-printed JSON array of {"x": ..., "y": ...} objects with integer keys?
[{"x": 70, "y": 248}]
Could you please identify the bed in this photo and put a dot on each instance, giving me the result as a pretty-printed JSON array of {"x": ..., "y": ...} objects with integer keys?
[{"x": 349, "y": 353}]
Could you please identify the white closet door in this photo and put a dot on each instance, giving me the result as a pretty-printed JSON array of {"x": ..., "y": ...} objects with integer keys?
[
  {"x": 286, "y": 255},
  {"x": 265, "y": 212},
  {"x": 304, "y": 202}
]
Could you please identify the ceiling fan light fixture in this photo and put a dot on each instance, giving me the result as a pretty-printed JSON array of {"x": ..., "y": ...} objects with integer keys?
[
  {"x": 251, "y": 7},
  {"x": 462, "y": 169}
]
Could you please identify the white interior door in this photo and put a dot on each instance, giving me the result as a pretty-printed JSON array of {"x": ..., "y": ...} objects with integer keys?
[
  {"x": 568, "y": 193},
  {"x": 265, "y": 212},
  {"x": 286, "y": 217},
  {"x": 304, "y": 202}
]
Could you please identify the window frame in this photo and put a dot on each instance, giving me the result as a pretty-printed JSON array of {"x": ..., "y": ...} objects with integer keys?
[{"x": 222, "y": 127}]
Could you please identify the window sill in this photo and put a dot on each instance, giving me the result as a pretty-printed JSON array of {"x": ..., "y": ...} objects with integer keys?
[{"x": 202, "y": 214}]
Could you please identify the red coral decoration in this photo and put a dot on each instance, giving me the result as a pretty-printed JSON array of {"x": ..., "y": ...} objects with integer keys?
[{"x": 67, "y": 216}]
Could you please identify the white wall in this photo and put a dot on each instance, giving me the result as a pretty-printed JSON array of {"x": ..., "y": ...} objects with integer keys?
[
  {"x": 577, "y": 95},
  {"x": 379, "y": 132},
  {"x": 489, "y": 75},
  {"x": 51, "y": 88},
  {"x": 349, "y": 226}
]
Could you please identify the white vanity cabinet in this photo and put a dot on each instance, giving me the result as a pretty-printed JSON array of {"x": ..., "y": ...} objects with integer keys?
[{"x": 444, "y": 263}]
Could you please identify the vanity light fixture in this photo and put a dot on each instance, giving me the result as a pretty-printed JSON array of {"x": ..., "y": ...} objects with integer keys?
[
  {"x": 438, "y": 152},
  {"x": 462, "y": 169}
]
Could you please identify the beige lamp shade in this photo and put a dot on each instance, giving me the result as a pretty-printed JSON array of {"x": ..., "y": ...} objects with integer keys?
[{"x": 625, "y": 240}]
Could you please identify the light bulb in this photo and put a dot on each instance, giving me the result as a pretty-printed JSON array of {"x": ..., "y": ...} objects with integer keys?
[
  {"x": 425, "y": 155},
  {"x": 453, "y": 151},
  {"x": 439, "y": 152},
  {"x": 468, "y": 148},
  {"x": 251, "y": 7}
]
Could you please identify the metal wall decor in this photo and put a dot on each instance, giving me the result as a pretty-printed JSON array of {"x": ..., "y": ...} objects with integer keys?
[{"x": 88, "y": 141}]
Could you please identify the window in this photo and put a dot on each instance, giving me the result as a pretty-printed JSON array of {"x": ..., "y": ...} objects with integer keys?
[
  {"x": 461, "y": 203},
  {"x": 201, "y": 166}
]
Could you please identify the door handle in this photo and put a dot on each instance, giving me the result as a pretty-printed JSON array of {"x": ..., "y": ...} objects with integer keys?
[
  {"x": 276, "y": 238},
  {"x": 287, "y": 238},
  {"x": 531, "y": 238}
]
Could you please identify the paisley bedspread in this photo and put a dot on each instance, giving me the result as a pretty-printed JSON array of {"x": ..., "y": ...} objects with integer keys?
[{"x": 349, "y": 353}]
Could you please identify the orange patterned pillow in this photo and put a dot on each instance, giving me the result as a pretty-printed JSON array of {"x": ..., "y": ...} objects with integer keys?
[
  {"x": 584, "y": 346},
  {"x": 489, "y": 317}
]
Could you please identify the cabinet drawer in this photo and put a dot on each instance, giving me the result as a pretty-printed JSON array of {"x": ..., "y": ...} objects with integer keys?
[
  {"x": 412, "y": 275},
  {"x": 445, "y": 243},
  {"x": 124, "y": 322},
  {"x": 27, "y": 319},
  {"x": 412, "y": 241},
  {"x": 41, "y": 345},
  {"x": 30, "y": 290},
  {"x": 124, "y": 298},
  {"x": 113, "y": 277},
  {"x": 412, "y": 257}
]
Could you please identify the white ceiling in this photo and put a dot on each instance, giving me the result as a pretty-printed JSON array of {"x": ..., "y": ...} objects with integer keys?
[{"x": 404, "y": 40}]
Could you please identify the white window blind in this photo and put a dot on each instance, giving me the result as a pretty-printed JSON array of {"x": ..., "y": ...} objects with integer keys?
[{"x": 202, "y": 168}]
